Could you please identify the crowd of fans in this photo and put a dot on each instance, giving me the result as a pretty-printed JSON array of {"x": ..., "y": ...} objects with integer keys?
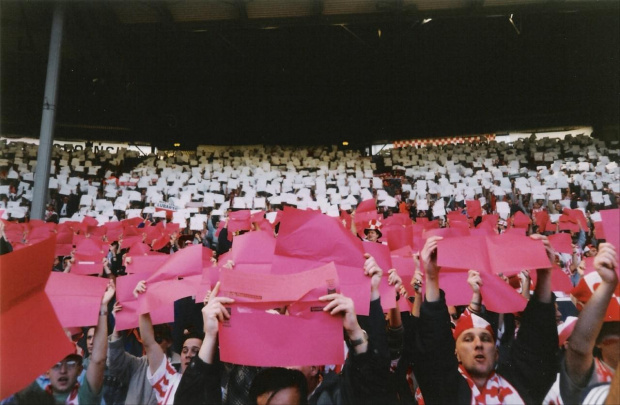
[{"x": 397, "y": 239}]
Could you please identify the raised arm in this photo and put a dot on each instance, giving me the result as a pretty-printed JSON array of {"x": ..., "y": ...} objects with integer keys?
[
  {"x": 212, "y": 314},
  {"x": 475, "y": 281},
  {"x": 583, "y": 339},
  {"x": 532, "y": 363},
  {"x": 154, "y": 352},
  {"x": 543, "y": 285},
  {"x": 94, "y": 374},
  {"x": 428, "y": 256},
  {"x": 201, "y": 380}
]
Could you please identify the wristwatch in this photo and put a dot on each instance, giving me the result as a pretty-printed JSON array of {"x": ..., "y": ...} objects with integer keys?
[{"x": 354, "y": 343}]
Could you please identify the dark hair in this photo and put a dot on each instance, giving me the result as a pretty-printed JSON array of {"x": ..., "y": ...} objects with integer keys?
[
  {"x": 162, "y": 332},
  {"x": 193, "y": 334},
  {"x": 608, "y": 329},
  {"x": 275, "y": 379}
]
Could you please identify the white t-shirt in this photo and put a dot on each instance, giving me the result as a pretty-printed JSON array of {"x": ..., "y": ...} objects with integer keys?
[{"x": 164, "y": 382}]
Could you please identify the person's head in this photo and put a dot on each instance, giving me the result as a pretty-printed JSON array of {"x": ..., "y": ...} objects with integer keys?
[
  {"x": 558, "y": 314},
  {"x": 64, "y": 374},
  {"x": 90, "y": 338},
  {"x": 312, "y": 374},
  {"x": 608, "y": 343},
  {"x": 475, "y": 346},
  {"x": 454, "y": 315},
  {"x": 191, "y": 347},
  {"x": 590, "y": 251},
  {"x": 372, "y": 231},
  {"x": 163, "y": 336},
  {"x": 114, "y": 246},
  {"x": 277, "y": 385}
]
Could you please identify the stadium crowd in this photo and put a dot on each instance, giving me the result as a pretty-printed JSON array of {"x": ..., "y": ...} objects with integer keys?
[{"x": 271, "y": 275}]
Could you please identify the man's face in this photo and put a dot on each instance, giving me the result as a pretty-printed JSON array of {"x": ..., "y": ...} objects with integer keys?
[
  {"x": 90, "y": 337},
  {"x": 372, "y": 235},
  {"x": 63, "y": 375},
  {"x": 610, "y": 350},
  {"x": 286, "y": 396},
  {"x": 190, "y": 349},
  {"x": 475, "y": 349},
  {"x": 311, "y": 373}
]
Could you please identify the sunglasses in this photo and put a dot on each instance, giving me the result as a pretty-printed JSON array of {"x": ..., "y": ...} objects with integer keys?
[{"x": 69, "y": 364}]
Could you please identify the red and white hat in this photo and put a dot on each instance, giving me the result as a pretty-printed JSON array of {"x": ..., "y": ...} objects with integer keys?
[
  {"x": 565, "y": 329},
  {"x": 584, "y": 290},
  {"x": 469, "y": 321},
  {"x": 373, "y": 225}
]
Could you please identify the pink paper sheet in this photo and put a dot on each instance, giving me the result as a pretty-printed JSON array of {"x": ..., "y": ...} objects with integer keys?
[
  {"x": 454, "y": 284},
  {"x": 307, "y": 336},
  {"x": 253, "y": 248},
  {"x": 611, "y": 227},
  {"x": 86, "y": 264},
  {"x": 128, "y": 317},
  {"x": 176, "y": 278},
  {"x": 560, "y": 281},
  {"x": 76, "y": 299},
  {"x": 261, "y": 339},
  {"x": 507, "y": 254},
  {"x": 399, "y": 236},
  {"x": 298, "y": 249},
  {"x": 146, "y": 264},
  {"x": 353, "y": 283},
  {"x": 239, "y": 221},
  {"x": 473, "y": 208},
  {"x": 381, "y": 254},
  {"x": 500, "y": 297},
  {"x": 313, "y": 236},
  {"x": 24, "y": 306},
  {"x": 561, "y": 242}
]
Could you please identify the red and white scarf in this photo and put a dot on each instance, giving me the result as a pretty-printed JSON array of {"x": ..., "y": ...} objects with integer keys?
[
  {"x": 496, "y": 390},
  {"x": 604, "y": 373},
  {"x": 72, "y": 399}
]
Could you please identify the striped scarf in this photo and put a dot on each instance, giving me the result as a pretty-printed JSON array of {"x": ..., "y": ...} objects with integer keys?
[
  {"x": 496, "y": 391},
  {"x": 72, "y": 398}
]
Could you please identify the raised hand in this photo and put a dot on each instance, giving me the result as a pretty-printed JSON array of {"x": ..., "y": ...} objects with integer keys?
[
  {"x": 372, "y": 270},
  {"x": 474, "y": 280},
  {"x": 606, "y": 263},
  {"x": 109, "y": 293},
  {"x": 548, "y": 247},
  {"x": 428, "y": 257},
  {"x": 394, "y": 279},
  {"x": 140, "y": 288},
  {"x": 214, "y": 311}
]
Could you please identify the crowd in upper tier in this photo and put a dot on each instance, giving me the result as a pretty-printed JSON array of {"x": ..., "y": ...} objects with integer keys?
[{"x": 316, "y": 275}]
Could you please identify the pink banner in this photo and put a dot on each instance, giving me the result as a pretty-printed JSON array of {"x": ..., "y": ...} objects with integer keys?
[
  {"x": 76, "y": 299},
  {"x": 24, "y": 306},
  {"x": 305, "y": 336},
  {"x": 561, "y": 242},
  {"x": 507, "y": 253}
]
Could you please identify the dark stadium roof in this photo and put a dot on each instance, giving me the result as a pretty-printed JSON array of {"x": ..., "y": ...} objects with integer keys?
[{"x": 311, "y": 71}]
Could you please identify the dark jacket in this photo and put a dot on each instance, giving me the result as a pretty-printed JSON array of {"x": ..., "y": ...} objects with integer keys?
[
  {"x": 365, "y": 377},
  {"x": 200, "y": 384},
  {"x": 531, "y": 365}
]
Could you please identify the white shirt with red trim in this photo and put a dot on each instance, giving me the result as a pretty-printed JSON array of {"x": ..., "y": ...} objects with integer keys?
[{"x": 164, "y": 382}]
